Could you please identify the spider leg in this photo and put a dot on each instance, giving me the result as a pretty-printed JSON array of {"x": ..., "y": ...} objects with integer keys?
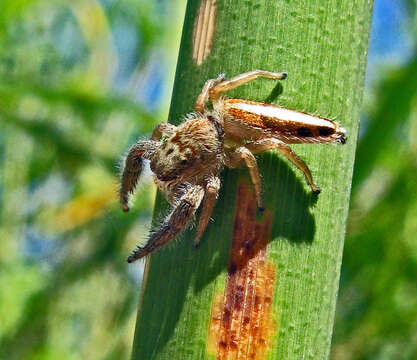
[
  {"x": 210, "y": 197},
  {"x": 179, "y": 218},
  {"x": 233, "y": 160},
  {"x": 241, "y": 79},
  {"x": 202, "y": 99},
  {"x": 133, "y": 165},
  {"x": 166, "y": 129},
  {"x": 284, "y": 149}
]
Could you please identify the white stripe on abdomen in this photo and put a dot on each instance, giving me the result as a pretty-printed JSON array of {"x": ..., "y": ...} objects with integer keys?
[{"x": 281, "y": 114}]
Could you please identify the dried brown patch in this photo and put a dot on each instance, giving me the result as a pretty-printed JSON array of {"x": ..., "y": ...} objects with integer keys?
[
  {"x": 241, "y": 324},
  {"x": 204, "y": 30}
]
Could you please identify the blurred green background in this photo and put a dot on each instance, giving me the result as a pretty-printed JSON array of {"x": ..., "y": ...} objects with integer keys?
[{"x": 82, "y": 80}]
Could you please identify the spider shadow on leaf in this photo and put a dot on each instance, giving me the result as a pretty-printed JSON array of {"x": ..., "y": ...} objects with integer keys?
[
  {"x": 276, "y": 91},
  {"x": 286, "y": 197}
]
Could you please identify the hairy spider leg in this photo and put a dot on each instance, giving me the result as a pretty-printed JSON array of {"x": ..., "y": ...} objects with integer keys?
[
  {"x": 133, "y": 163},
  {"x": 241, "y": 79},
  {"x": 210, "y": 197},
  {"x": 133, "y": 166},
  {"x": 174, "y": 224},
  {"x": 272, "y": 143},
  {"x": 233, "y": 160}
]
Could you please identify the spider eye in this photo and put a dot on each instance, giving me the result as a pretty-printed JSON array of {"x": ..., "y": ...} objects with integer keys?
[{"x": 183, "y": 162}]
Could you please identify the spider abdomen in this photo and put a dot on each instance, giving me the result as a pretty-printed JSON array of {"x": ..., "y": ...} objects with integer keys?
[{"x": 255, "y": 119}]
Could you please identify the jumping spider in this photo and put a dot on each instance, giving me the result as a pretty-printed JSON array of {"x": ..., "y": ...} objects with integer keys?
[{"x": 187, "y": 159}]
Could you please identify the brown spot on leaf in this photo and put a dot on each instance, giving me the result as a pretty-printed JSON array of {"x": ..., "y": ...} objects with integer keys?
[
  {"x": 204, "y": 30},
  {"x": 241, "y": 324}
]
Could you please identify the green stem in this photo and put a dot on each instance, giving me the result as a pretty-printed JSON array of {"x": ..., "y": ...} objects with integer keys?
[{"x": 322, "y": 45}]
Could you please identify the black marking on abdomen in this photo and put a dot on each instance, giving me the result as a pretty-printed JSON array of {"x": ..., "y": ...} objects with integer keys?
[
  {"x": 325, "y": 131},
  {"x": 304, "y": 132}
]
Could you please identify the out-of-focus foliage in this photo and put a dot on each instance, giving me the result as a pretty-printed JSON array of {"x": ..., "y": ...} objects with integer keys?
[
  {"x": 377, "y": 309},
  {"x": 79, "y": 82}
]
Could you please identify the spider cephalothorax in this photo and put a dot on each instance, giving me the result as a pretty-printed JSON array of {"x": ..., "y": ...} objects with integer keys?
[
  {"x": 186, "y": 160},
  {"x": 193, "y": 151}
]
